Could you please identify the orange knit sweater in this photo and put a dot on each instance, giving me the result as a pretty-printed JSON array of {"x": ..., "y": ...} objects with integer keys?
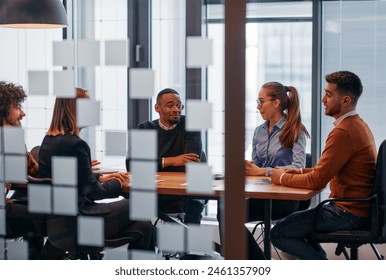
[{"x": 347, "y": 162}]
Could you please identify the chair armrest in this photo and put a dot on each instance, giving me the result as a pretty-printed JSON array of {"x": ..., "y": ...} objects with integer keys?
[
  {"x": 373, "y": 214},
  {"x": 34, "y": 180},
  {"x": 19, "y": 186}
]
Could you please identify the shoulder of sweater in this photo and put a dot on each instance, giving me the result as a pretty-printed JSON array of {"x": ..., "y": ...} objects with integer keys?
[
  {"x": 181, "y": 124},
  {"x": 351, "y": 123},
  {"x": 350, "y": 119},
  {"x": 148, "y": 124}
]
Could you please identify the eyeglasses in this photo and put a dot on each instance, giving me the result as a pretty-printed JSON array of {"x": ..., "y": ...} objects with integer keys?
[
  {"x": 179, "y": 107},
  {"x": 260, "y": 102}
]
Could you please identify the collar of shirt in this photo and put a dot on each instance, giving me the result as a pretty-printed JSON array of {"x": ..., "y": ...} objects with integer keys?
[
  {"x": 341, "y": 118},
  {"x": 165, "y": 127},
  {"x": 279, "y": 124}
]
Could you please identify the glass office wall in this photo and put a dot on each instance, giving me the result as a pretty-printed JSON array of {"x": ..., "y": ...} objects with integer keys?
[
  {"x": 278, "y": 48},
  {"x": 29, "y": 50},
  {"x": 354, "y": 39},
  {"x": 168, "y": 45},
  {"x": 24, "y": 50}
]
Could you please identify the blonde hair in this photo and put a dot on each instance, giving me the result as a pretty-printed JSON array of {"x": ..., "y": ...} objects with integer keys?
[{"x": 64, "y": 115}]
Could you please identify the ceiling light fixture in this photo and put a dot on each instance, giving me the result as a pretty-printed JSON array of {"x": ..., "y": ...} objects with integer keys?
[{"x": 32, "y": 14}]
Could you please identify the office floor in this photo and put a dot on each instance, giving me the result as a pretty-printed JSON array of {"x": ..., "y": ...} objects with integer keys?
[{"x": 365, "y": 252}]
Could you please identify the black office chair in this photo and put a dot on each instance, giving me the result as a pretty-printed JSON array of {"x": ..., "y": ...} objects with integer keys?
[
  {"x": 376, "y": 232},
  {"x": 62, "y": 234},
  {"x": 35, "y": 153},
  {"x": 20, "y": 195}
]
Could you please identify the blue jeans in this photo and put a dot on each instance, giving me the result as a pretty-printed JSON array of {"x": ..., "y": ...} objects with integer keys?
[{"x": 290, "y": 234}]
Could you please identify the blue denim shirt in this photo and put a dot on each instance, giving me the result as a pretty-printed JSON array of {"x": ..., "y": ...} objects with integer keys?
[{"x": 267, "y": 151}]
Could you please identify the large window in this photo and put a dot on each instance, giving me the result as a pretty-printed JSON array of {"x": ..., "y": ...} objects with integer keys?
[
  {"x": 354, "y": 39},
  {"x": 278, "y": 48},
  {"x": 26, "y": 50},
  {"x": 168, "y": 46}
]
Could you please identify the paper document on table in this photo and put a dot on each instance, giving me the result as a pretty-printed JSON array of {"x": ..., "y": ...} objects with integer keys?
[
  {"x": 106, "y": 171},
  {"x": 263, "y": 181},
  {"x": 214, "y": 184}
]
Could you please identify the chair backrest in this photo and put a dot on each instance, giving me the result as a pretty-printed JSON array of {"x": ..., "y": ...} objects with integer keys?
[
  {"x": 305, "y": 204},
  {"x": 380, "y": 189},
  {"x": 308, "y": 160},
  {"x": 203, "y": 157},
  {"x": 35, "y": 153}
]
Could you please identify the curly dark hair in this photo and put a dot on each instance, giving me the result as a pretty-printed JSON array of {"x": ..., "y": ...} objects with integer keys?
[{"x": 10, "y": 94}]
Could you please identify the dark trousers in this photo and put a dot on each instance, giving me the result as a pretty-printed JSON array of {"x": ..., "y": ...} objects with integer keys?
[
  {"x": 192, "y": 208},
  {"x": 63, "y": 231},
  {"x": 118, "y": 221},
  {"x": 291, "y": 234},
  {"x": 31, "y": 227}
]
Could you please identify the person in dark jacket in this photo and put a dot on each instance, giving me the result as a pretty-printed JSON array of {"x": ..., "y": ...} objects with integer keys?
[
  {"x": 176, "y": 147},
  {"x": 62, "y": 140}
]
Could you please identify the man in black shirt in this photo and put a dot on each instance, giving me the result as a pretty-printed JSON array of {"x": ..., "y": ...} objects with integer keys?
[{"x": 176, "y": 147}]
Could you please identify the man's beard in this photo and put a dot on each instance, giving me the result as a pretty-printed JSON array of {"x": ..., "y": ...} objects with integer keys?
[{"x": 174, "y": 121}]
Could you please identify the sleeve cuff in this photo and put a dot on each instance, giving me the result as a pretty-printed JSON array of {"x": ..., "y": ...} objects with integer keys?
[{"x": 281, "y": 177}]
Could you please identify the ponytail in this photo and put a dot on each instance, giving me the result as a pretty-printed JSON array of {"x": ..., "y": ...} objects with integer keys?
[{"x": 293, "y": 125}]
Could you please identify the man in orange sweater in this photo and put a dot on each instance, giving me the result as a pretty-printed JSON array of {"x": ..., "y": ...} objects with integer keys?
[{"x": 347, "y": 163}]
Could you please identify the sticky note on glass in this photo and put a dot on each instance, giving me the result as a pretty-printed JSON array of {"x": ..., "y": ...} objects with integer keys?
[
  {"x": 116, "y": 143},
  {"x": 88, "y": 53},
  {"x": 2, "y": 194},
  {"x": 199, "y": 52},
  {"x": 200, "y": 239},
  {"x": 117, "y": 52},
  {"x": 65, "y": 171},
  {"x": 143, "y": 205},
  {"x": 170, "y": 237},
  {"x": 64, "y": 85},
  {"x": 141, "y": 83},
  {"x": 39, "y": 198},
  {"x": 17, "y": 250},
  {"x": 143, "y": 144},
  {"x": 65, "y": 201},
  {"x": 14, "y": 140},
  {"x": 119, "y": 253},
  {"x": 143, "y": 175},
  {"x": 63, "y": 53},
  {"x": 198, "y": 115},
  {"x": 199, "y": 178},
  {"x": 16, "y": 169},
  {"x": 91, "y": 231},
  {"x": 87, "y": 112},
  {"x": 3, "y": 230},
  {"x": 144, "y": 255},
  {"x": 38, "y": 83}
]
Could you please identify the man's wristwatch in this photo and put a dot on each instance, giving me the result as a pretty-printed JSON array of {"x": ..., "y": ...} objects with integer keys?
[{"x": 268, "y": 172}]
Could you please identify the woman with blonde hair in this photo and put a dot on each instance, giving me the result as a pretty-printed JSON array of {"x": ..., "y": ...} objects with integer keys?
[{"x": 62, "y": 140}]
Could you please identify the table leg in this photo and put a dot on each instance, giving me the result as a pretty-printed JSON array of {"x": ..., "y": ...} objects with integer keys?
[{"x": 267, "y": 227}]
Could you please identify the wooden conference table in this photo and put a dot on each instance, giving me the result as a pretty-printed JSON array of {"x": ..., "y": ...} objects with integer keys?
[{"x": 174, "y": 184}]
